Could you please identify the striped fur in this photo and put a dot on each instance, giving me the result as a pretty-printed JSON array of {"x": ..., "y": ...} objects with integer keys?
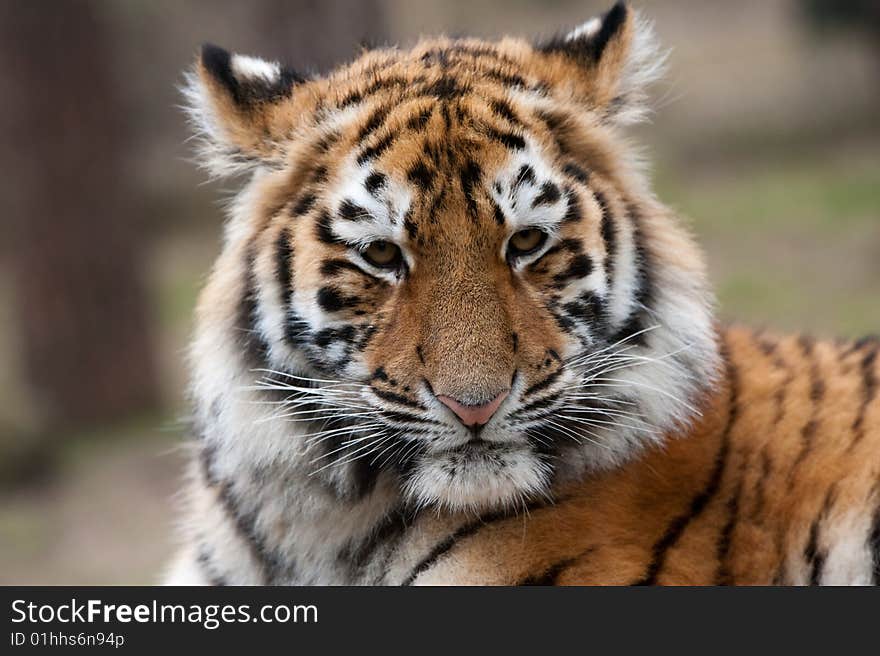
[
  {"x": 778, "y": 484},
  {"x": 625, "y": 441}
]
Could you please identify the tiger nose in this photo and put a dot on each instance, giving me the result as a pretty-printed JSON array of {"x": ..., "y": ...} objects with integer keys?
[{"x": 473, "y": 415}]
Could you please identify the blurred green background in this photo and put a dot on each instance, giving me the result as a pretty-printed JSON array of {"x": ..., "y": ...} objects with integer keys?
[{"x": 765, "y": 137}]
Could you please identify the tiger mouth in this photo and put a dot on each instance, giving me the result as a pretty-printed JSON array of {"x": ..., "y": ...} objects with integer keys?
[
  {"x": 478, "y": 445},
  {"x": 477, "y": 448}
]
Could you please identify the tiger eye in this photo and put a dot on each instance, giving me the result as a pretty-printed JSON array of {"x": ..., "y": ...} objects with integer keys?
[
  {"x": 382, "y": 254},
  {"x": 526, "y": 241}
]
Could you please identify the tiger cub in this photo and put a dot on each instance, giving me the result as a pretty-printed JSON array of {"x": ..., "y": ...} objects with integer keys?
[{"x": 453, "y": 337}]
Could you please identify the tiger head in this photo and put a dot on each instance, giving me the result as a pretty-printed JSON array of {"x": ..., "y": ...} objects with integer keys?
[{"x": 446, "y": 268}]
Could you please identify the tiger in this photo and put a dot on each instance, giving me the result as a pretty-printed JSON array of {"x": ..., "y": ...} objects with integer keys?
[{"x": 453, "y": 338}]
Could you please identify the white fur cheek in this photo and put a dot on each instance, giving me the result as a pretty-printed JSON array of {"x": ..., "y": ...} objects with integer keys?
[{"x": 479, "y": 483}]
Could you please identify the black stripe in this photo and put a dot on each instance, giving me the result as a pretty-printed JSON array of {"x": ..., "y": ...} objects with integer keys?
[
  {"x": 574, "y": 171},
  {"x": 497, "y": 213},
  {"x": 319, "y": 175},
  {"x": 504, "y": 110},
  {"x": 326, "y": 336},
  {"x": 541, "y": 384},
  {"x": 444, "y": 546},
  {"x": 558, "y": 126},
  {"x": 335, "y": 266},
  {"x": 373, "y": 123},
  {"x": 412, "y": 228},
  {"x": 445, "y": 88},
  {"x": 396, "y": 398},
  {"x": 815, "y": 558},
  {"x": 254, "y": 343},
  {"x": 358, "y": 96},
  {"x": 526, "y": 174},
  {"x": 549, "y": 194},
  {"x": 573, "y": 208},
  {"x": 420, "y": 120},
  {"x": 470, "y": 178},
  {"x": 869, "y": 391},
  {"x": 407, "y": 418},
  {"x": 608, "y": 228},
  {"x": 376, "y": 149},
  {"x": 761, "y": 489},
  {"x": 509, "y": 140},
  {"x": 284, "y": 263},
  {"x": 208, "y": 568},
  {"x": 482, "y": 52},
  {"x": 698, "y": 504},
  {"x": 392, "y": 526},
  {"x": 324, "y": 144},
  {"x": 644, "y": 286},
  {"x": 590, "y": 310},
  {"x": 507, "y": 79},
  {"x": 245, "y": 523},
  {"x": 816, "y": 394},
  {"x": 725, "y": 539},
  {"x": 374, "y": 182},
  {"x": 324, "y": 229},
  {"x": 331, "y": 299},
  {"x": 364, "y": 477},
  {"x": 351, "y": 211},
  {"x": 862, "y": 342},
  {"x": 580, "y": 266},
  {"x": 437, "y": 203},
  {"x": 420, "y": 175},
  {"x": 874, "y": 544},
  {"x": 543, "y": 402},
  {"x": 771, "y": 350},
  {"x": 304, "y": 204},
  {"x": 551, "y": 575},
  {"x": 564, "y": 322}
]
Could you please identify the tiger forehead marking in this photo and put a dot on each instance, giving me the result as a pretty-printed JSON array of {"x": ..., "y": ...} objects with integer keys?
[{"x": 448, "y": 181}]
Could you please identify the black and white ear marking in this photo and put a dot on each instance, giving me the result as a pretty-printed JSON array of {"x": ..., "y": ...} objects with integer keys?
[
  {"x": 248, "y": 79},
  {"x": 588, "y": 41},
  {"x": 230, "y": 100},
  {"x": 619, "y": 53}
]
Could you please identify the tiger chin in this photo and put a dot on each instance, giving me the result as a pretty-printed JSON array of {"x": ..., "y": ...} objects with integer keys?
[{"x": 453, "y": 337}]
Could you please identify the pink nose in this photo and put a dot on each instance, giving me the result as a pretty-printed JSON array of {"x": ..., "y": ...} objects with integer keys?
[{"x": 473, "y": 415}]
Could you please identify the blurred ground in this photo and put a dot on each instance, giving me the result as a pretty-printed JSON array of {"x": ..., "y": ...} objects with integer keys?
[
  {"x": 102, "y": 519},
  {"x": 766, "y": 140}
]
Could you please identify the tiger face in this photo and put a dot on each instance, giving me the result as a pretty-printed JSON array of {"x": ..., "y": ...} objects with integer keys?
[{"x": 448, "y": 268}]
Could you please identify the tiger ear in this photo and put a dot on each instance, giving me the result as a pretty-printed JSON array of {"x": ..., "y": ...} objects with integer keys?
[
  {"x": 235, "y": 104},
  {"x": 619, "y": 56}
]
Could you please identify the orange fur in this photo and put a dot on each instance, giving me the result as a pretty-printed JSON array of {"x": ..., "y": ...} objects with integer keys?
[{"x": 752, "y": 527}]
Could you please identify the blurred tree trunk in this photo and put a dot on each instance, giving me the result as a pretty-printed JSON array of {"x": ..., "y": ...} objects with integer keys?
[
  {"x": 859, "y": 15},
  {"x": 81, "y": 308}
]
